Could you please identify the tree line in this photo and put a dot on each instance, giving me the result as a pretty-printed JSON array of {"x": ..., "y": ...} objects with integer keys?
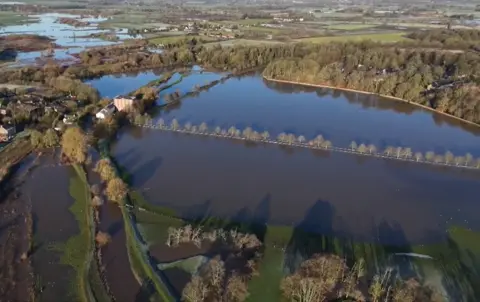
[
  {"x": 248, "y": 133},
  {"x": 446, "y": 38},
  {"x": 444, "y": 81}
]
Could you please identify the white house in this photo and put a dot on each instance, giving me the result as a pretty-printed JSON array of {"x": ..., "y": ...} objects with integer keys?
[{"x": 108, "y": 111}]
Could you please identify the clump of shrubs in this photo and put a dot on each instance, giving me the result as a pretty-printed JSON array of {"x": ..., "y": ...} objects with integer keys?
[{"x": 232, "y": 238}]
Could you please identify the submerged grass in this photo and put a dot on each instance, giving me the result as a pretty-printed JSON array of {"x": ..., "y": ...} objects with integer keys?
[{"x": 77, "y": 250}]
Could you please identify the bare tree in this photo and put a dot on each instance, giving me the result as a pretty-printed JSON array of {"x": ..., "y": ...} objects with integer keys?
[
  {"x": 353, "y": 146},
  {"x": 317, "y": 141},
  {"x": 291, "y": 139},
  {"x": 195, "y": 291},
  {"x": 315, "y": 279},
  {"x": 265, "y": 135},
  {"x": 438, "y": 159},
  {"x": 232, "y": 131},
  {"x": 236, "y": 289},
  {"x": 449, "y": 157},
  {"x": 214, "y": 275},
  {"x": 301, "y": 139},
  {"x": 468, "y": 159},
  {"x": 388, "y": 151},
  {"x": 327, "y": 144},
  {"x": 174, "y": 125},
  {"x": 407, "y": 153},
  {"x": 398, "y": 152},
  {"x": 372, "y": 149},
  {"x": 430, "y": 156},
  {"x": 247, "y": 133},
  {"x": 459, "y": 160},
  {"x": 203, "y": 127},
  {"x": 282, "y": 137},
  {"x": 418, "y": 156},
  {"x": 161, "y": 123}
]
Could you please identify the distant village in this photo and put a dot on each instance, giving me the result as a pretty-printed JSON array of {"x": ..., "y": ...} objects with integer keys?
[{"x": 20, "y": 107}]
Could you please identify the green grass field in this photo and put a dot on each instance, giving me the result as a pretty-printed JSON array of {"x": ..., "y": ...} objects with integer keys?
[
  {"x": 349, "y": 26},
  {"x": 132, "y": 21},
  {"x": 246, "y": 42},
  {"x": 246, "y": 21},
  {"x": 381, "y": 37},
  {"x": 266, "y": 286},
  {"x": 174, "y": 39},
  {"x": 11, "y": 18}
]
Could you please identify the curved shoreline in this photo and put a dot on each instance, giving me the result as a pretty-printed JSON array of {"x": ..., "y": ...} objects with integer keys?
[{"x": 372, "y": 93}]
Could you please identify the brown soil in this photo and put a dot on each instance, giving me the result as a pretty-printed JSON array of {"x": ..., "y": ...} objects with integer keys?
[{"x": 26, "y": 42}]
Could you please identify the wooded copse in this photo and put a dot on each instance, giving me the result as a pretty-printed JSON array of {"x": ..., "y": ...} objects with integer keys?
[
  {"x": 319, "y": 142},
  {"x": 328, "y": 278},
  {"x": 445, "y": 82}
]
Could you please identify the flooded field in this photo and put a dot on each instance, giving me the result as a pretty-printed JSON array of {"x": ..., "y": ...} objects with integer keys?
[
  {"x": 73, "y": 39},
  {"x": 47, "y": 188},
  {"x": 336, "y": 194}
]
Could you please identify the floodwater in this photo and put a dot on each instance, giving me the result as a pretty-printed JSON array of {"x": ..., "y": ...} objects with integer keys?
[
  {"x": 47, "y": 187},
  {"x": 65, "y": 35},
  {"x": 113, "y": 85},
  {"x": 119, "y": 84},
  {"x": 353, "y": 195},
  {"x": 334, "y": 194},
  {"x": 362, "y": 199},
  {"x": 115, "y": 259}
]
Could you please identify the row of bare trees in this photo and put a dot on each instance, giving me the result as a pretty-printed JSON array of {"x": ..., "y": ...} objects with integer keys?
[
  {"x": 448, "y": 158},
  {"x": 248, "y": 133},
  {"x": 328, "y": 278},
  {"x": 319, "y": 141},
  {"x": 196, "y": 235}
]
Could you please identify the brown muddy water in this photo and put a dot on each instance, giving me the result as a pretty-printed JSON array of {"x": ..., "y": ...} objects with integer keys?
[
  {"x": 115, "y": 259},
  {"x": 334, "y": 194},
  {"x": 47, "y": 188},
  {"x": 16, "y": 278}
]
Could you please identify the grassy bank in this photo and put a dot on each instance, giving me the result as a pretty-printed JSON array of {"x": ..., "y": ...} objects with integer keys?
[
  {"x": 12, "y": 18},
  {"x": 138, "y": 251},
  {"x": 78, "y": 250}
]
